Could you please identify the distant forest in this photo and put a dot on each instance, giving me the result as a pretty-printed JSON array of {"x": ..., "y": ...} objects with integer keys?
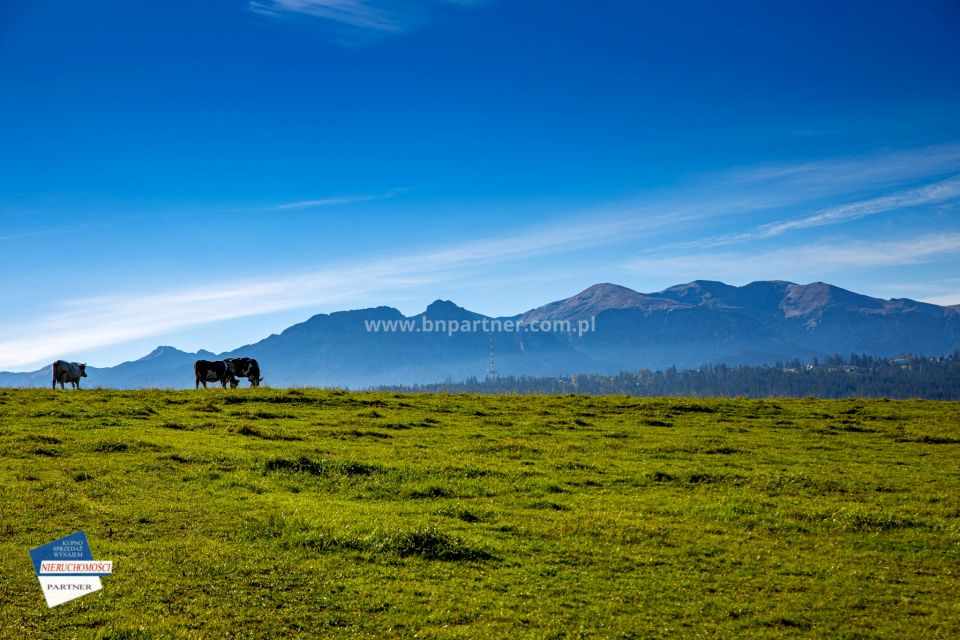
[{"x": 861, "y": 376}]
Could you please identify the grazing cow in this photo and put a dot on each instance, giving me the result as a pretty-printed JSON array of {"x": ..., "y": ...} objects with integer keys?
[
  {"x": 213, "y": 371},
  {"x": 245, "y": 368},
  {"x": 68, "y": 372}
]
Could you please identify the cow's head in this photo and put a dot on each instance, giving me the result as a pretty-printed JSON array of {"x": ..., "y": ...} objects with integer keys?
[{"x": 83, "y": 370}]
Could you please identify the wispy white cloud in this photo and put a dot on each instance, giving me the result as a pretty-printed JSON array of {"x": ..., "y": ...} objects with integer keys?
[
  {"x": 947, "y": 300},
  {"x": 374, "y": 15},
  {"x": 35, "y": 233},
  {"x": 803, "y": 261},
  {"x": 876, "y": 170},
  {"x": 929, "y": 194},
  {"x": 938, "y": 192},
  {"x": 357, "y": 16},
  {"x": 938, "y": 290},
  {"x": 334, "y": 201},
  {"x": 926, "y": 289}
]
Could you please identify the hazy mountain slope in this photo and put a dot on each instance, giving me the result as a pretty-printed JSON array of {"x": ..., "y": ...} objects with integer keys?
[
  {"x": 685, "y": 325},
  {"x": 706, "y": 321},
  {"x": 337, "y": 349}
]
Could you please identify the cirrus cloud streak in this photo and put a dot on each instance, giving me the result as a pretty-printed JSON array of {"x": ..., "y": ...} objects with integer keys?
[{"x": 804, "y": 261}]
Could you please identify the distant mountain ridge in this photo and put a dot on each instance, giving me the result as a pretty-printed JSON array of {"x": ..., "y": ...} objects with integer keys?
[
  {"x": 700, "y": 322},
  {"x": 592, "y": 301}
]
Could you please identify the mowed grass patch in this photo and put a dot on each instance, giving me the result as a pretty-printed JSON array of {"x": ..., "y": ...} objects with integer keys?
[{"x": 310, "y": 513}]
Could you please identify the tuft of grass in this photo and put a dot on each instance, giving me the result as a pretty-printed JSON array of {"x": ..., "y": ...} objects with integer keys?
[
  {"x": 364, "y": 433},
  {"x": 322, "y": 467},
  {"x": 111, "y": 447},
  {"x": 725, "y": 451},
  {"x": 431, "y": 492},
  {"x": 430, "y": 543},
  {"x": 247, "y": 430},
  {"x": 693, "y": 408},
  {"x": 928, "y": 439},
  {"x": 460, "y": 513},
  {"x": 547, "y": 504},
  {"x": 261, "y": 414},
  {"x": 44, "y": 439},
  {"x": 656, "y": 423},
  {"x": 396, "y": 426},
  {"x": 133, "y": 412},
  {"x": 302, "y": 464}
]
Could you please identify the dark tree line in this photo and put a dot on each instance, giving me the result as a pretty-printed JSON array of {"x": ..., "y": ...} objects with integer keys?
[{"x": 832, "y": 377}]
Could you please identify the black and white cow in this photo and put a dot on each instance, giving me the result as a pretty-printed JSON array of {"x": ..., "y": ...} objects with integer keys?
[
  {"x": 68, "y": 372},
  {"x": 213, "y": 371},
  {"x": 247, "y": 368}
]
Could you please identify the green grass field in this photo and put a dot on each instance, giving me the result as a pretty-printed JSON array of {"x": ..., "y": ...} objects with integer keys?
[{"x": 307, "y": 513}]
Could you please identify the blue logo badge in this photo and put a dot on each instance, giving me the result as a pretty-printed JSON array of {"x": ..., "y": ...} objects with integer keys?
[{"x": 66, "y": 569}]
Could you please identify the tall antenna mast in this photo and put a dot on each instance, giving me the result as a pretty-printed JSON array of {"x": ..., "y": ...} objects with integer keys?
[{"x": 491, "y": 364}]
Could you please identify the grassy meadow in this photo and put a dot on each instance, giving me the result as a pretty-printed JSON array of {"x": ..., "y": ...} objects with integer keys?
[{"x": 311, "y": 513}]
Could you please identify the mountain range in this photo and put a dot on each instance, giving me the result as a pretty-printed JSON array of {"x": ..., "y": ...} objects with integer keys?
[{"x": 702, "y": 322}]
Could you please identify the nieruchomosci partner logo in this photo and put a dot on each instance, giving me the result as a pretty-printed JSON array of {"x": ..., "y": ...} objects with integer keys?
[{"x": 66, "y": 569}]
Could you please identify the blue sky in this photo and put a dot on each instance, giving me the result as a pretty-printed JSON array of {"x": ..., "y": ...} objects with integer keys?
[{"x": 204, "y": 174}]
